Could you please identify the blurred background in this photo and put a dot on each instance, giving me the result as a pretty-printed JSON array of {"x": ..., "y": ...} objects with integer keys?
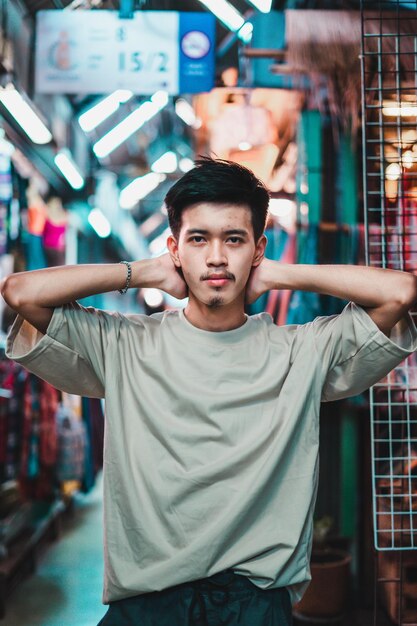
[{"x": 103, "y": 106}]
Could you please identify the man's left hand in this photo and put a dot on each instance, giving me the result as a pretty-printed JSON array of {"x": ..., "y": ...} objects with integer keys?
[{"x": 258, "y": 281}]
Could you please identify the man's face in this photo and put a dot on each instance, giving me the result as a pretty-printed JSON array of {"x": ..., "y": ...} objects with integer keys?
[{"x": 216, "y": 239}]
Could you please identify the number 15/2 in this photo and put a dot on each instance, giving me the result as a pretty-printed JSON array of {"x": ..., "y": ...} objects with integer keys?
[{"x": 139, "y": 61}]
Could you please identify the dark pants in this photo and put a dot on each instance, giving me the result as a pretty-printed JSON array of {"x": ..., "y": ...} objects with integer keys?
[{"x": 225, "y": 599}]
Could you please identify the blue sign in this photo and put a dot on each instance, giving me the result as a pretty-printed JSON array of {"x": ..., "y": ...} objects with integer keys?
[{"x": 197, "y": 52}]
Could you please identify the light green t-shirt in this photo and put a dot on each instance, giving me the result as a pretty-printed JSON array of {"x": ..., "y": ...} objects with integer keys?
[{"x": 211, "y": 438}]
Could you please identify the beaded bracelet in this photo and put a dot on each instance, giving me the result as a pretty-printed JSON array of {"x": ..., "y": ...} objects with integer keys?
[{"x": 128, "y": 277}]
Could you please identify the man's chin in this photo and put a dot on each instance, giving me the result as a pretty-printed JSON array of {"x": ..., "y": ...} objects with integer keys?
[{"x": 215, "y": 302}]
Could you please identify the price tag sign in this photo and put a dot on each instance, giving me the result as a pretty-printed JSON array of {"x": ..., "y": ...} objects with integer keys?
[{"x": 95, "y": 52}]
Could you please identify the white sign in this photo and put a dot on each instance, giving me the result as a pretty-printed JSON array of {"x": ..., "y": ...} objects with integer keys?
[{"x": 96, "y": 52}]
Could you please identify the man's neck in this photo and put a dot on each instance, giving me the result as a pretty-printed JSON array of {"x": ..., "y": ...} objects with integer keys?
[{"x": 220, "y": 319}]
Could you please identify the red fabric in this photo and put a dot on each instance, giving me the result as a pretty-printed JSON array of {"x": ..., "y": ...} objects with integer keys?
[{"x": 48, "y": 435}]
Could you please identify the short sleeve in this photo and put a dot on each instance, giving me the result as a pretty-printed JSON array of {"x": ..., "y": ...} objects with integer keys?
[
  {"x": 71, "y": 355},
  {"x": 355, "y": 354}
]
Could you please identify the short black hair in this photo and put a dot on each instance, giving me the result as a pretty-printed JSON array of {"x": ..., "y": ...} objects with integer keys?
[{"x": 218, "y": 180}]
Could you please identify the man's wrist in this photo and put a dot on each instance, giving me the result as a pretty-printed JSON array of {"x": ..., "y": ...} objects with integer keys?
[
  {"x": 146, "y": 273},
  {"x": 273, "y": 270}
]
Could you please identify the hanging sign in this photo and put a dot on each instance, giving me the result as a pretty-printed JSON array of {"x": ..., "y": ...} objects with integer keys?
[{"x": 96, "y": 52}]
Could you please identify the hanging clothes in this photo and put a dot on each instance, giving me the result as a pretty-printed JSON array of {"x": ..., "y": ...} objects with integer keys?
[
  {"x": 304, "y": 306},
  {"x": 277, "y": 240},
  {"x": 94, "y": 422}
]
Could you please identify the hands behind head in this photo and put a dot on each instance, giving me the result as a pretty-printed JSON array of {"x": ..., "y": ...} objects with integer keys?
[
  {"x": 172, "y": 279},
  {"x": 258, "y": 281}
]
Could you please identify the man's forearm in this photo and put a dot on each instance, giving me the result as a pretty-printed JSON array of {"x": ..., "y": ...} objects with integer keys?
[
  {"x": 54, "y": 286},
  {"x": 367, "y": 286}
]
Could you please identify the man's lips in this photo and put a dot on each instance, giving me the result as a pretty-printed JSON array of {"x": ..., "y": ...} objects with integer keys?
[{"x": 217, "y": 280}]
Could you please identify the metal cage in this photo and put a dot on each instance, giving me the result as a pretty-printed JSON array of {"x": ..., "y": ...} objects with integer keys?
[{"x": 389, "y": 140}]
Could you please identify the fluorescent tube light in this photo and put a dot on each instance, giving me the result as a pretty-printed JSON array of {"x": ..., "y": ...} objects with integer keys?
[
  {"x": 103, "y": 109},
  {"x": 245, "y": 33},
  {"x": 25, "y": 116},
  {"x": 68, "y": 169},
  {"x": 262, "y": 5},
  {"x": 185, "y": 111},
  {"x": 166, "y": 164},
  {"x": 100, "y": 223},
  {"x": 226, "y": 13},
  {"x": 139, "y": 188},
  {"x": 112, "y": 140}
]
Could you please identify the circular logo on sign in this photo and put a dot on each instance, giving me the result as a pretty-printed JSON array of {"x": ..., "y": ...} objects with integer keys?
[
  {"x": 195, "y": 44},
  {"x": 62, "y": 53}
]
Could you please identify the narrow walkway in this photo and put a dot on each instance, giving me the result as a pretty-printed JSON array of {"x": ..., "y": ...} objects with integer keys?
[{"x": 66, "y": 588}]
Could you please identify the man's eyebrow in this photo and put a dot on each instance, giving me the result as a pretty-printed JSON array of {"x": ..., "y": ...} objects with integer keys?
[{"x": 233, "y": 231}]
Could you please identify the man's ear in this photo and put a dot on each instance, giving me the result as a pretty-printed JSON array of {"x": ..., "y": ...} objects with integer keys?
[
  {"x": 260, "y": 251},
  {"x": 172, "y": 246}
]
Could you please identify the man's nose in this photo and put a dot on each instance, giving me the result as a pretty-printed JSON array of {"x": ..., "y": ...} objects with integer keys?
[{"x": 216, "y": 254}]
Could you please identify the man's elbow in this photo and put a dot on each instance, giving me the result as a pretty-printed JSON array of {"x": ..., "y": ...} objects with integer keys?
[
  {"x": 10, "y": 292},
  {"x": 408, "y": 291}
]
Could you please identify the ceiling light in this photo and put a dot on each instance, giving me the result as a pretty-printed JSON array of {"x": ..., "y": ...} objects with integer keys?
[
  {"x": 25, "y": 116},
  {"x": 166, "y": 164},
  {"x": 112, "y": 140},
  {"x": 245, "y": 33},
  {"x": 186, "y": 164},
  {"x": 185, "y": 111},
  {"x": 226, "y": 13},
  {"x": 103, "y": 109},
  {"x": 64, "y": 162},
  {"x": 99, "y": 222},
  {"x": 139, "y": 188},
  {"x": 263, "y": 5},
  {"x": 244, "y": 145}
]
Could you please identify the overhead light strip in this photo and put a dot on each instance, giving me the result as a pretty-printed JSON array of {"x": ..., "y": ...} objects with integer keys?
[
  {"x": 20, "y": 109},
  {"x": 166, "y": 164},
  {"x": 132, "y": 123},
  {"x": 103, "y": 109},
  {"x": 262, "y": 5},
  {"x": 100, "y": 223},
  {"x": 69, "y": 170},
  {"x": 230, "y": 17},
  {"x": 139, "y": 189}
]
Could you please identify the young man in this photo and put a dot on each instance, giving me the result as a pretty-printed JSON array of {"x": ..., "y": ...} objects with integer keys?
[{"x": 212, "y": 416}]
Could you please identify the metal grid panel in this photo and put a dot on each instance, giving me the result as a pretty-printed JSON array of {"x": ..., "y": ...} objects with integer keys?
[{"x": 389, "y": 107}]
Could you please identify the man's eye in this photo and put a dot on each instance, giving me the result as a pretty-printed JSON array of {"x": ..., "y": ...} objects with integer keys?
[{"x": 236, "y": 239}]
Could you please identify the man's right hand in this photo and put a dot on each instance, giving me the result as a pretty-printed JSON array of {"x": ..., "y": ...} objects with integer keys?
[{"x": 172, "y": 280}]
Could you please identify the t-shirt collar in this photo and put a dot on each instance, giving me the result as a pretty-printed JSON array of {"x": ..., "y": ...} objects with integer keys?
[{"x": 209, "y": 336}]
